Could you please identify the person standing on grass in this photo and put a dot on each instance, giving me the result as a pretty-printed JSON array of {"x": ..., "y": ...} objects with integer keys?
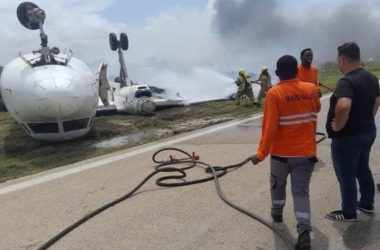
[
  {"x": 244, "y": 94},
  {"x": 351, "y": 126},
  {"x": 265, "y": 82}
]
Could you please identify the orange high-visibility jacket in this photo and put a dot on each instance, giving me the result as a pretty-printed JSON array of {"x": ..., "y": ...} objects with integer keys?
[
  {"x": 289, "y": 122},
  {"x": 308, "y": 75}
]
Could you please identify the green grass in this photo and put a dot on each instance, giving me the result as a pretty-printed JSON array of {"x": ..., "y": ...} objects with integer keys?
[
  {"x": 329, "y": 74},
  {"x": 20, "y": 155},
  {"x": 374, "y": 69}
]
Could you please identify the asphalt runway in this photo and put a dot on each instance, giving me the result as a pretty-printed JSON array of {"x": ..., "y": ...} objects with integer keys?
[{"x": 35, "y": 208}]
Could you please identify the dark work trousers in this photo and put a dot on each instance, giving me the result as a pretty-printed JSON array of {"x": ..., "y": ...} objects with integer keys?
[
  {"x": 350, "y": 156},
  {"x": 300, "y": 170}
]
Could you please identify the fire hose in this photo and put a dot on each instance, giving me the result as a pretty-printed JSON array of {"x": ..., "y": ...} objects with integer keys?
[
  {"x": 326, "y": 87},
  {"x": 179, "y": 174}
]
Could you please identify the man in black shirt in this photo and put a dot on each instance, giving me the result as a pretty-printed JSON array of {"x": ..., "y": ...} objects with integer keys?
[{"x": 351, "y": 126}]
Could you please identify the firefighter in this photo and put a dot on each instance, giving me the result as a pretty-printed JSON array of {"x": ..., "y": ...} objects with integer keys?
[
  {"x": 265, "y": 83},
  {"x": 288, "y": 135},
  {"x": 244, "y": 93}
]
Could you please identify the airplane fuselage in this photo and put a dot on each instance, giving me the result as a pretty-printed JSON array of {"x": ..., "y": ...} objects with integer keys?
[{"x": 51, "y": 102}]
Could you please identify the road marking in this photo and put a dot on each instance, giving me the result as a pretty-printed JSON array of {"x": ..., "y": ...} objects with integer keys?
[{"x": 87, "y": 166}]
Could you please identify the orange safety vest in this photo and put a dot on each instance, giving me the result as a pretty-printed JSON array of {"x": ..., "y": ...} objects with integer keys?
[
  {"x": 289, "y": 122},
  {"x": 308, "y": 75}
]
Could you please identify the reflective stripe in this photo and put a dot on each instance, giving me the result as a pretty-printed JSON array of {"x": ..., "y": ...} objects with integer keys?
[
  {"x": 300, "y": 118},
  {"x": 303, "y": 215},
  {"x": 278, "y": 202},
  {"x": 303, "y": 115},
  {"x": 301, "y": 121}
]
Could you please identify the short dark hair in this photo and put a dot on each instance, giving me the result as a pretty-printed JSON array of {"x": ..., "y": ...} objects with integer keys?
[
  {"x": 350, "y": 50},
  {"x": 287, "y": 67},
  {"x": 306, "y": 50}
]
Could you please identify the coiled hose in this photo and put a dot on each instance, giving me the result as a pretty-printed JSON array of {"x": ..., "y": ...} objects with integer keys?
[{"x": 178, "y": 173}]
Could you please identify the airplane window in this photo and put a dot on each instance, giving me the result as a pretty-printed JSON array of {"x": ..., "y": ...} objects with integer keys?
[
  {"x": 26, "y": 129},
  {"x": 44, "y": 128},
  {"x": 92, "y": 122},
  {"x": 75, "y": 124},
  {"x": 143, "y": 93},
  {"x": 41, "y": 62}
]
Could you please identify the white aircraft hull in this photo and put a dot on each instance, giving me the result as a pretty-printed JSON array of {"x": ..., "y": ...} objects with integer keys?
[
  {"x": 124, "y": 100},
  {"x": 51, "y": 102}
]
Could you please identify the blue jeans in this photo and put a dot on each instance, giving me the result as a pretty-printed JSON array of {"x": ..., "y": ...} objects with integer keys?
[{"x": 350, "y": 156}]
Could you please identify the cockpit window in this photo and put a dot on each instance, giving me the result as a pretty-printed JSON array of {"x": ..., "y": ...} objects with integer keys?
[
  {"x": 38, "y": 59},
  {"x": 75, "y": 124},
  {"x": 143, "y": 93},
  {"x": 26, "y": 129},
  {"x": 54, "y": 60},
  {"x": 44, "y": 128}
]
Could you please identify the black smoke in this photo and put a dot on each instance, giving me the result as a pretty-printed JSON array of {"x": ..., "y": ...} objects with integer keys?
[{"x": 268, "y": 28}]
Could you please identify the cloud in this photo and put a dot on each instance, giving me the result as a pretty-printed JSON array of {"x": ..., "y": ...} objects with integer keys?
[
  {"x": 175, "y": 49},
  {"x": 196, "y": 50},
  {"x": 75, "y": 24}
]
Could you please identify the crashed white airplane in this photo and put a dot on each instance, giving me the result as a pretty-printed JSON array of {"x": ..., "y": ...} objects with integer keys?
[
  {"x": 123, "y": 95},
  {"x": 54, "y": 96}
]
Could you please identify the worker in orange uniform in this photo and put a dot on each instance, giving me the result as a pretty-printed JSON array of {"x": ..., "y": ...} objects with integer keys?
[
  {"x": 288, "y": 134},
  {"x": 307, "y": 72}
]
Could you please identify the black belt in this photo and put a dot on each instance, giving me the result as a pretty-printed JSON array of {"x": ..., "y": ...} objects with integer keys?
[{"x": 286, "y": 159}]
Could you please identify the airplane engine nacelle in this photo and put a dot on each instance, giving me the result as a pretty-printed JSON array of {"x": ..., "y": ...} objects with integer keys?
[
  {"x": 145, "y": 106},
  {"x": 135, "y": 99},
  {"x": 51, "y": 102}
]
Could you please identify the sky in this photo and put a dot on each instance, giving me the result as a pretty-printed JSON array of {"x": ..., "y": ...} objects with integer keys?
[
  {"x": 137, "y": 12},
  {"x": 195, "y": 46}
]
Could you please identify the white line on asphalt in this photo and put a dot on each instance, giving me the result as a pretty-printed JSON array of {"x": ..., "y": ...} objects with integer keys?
[{"x": 103, "y": 162}]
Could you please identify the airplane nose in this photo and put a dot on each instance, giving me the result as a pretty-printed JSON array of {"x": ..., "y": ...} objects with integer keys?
[
  {"x": 41, "y": 96},
  {"x": 64, "y": 95},
  {"x": 62, "y": 106},
  {"x": 66, "y": 99}
]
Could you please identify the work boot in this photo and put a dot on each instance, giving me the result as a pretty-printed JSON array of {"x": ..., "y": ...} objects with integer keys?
[
  {"x": 303, "y": 242},
  {"x": 276, "y": 214},
  {"x": 277, "y": 218}
]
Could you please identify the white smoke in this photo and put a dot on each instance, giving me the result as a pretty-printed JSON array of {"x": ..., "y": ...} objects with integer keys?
[
  {"x": 196, "y": 51},
  {"x": 177, "y": 49}
]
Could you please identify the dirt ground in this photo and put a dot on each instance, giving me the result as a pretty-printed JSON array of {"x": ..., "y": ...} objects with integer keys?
[{"x": 21, "y": 155}]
